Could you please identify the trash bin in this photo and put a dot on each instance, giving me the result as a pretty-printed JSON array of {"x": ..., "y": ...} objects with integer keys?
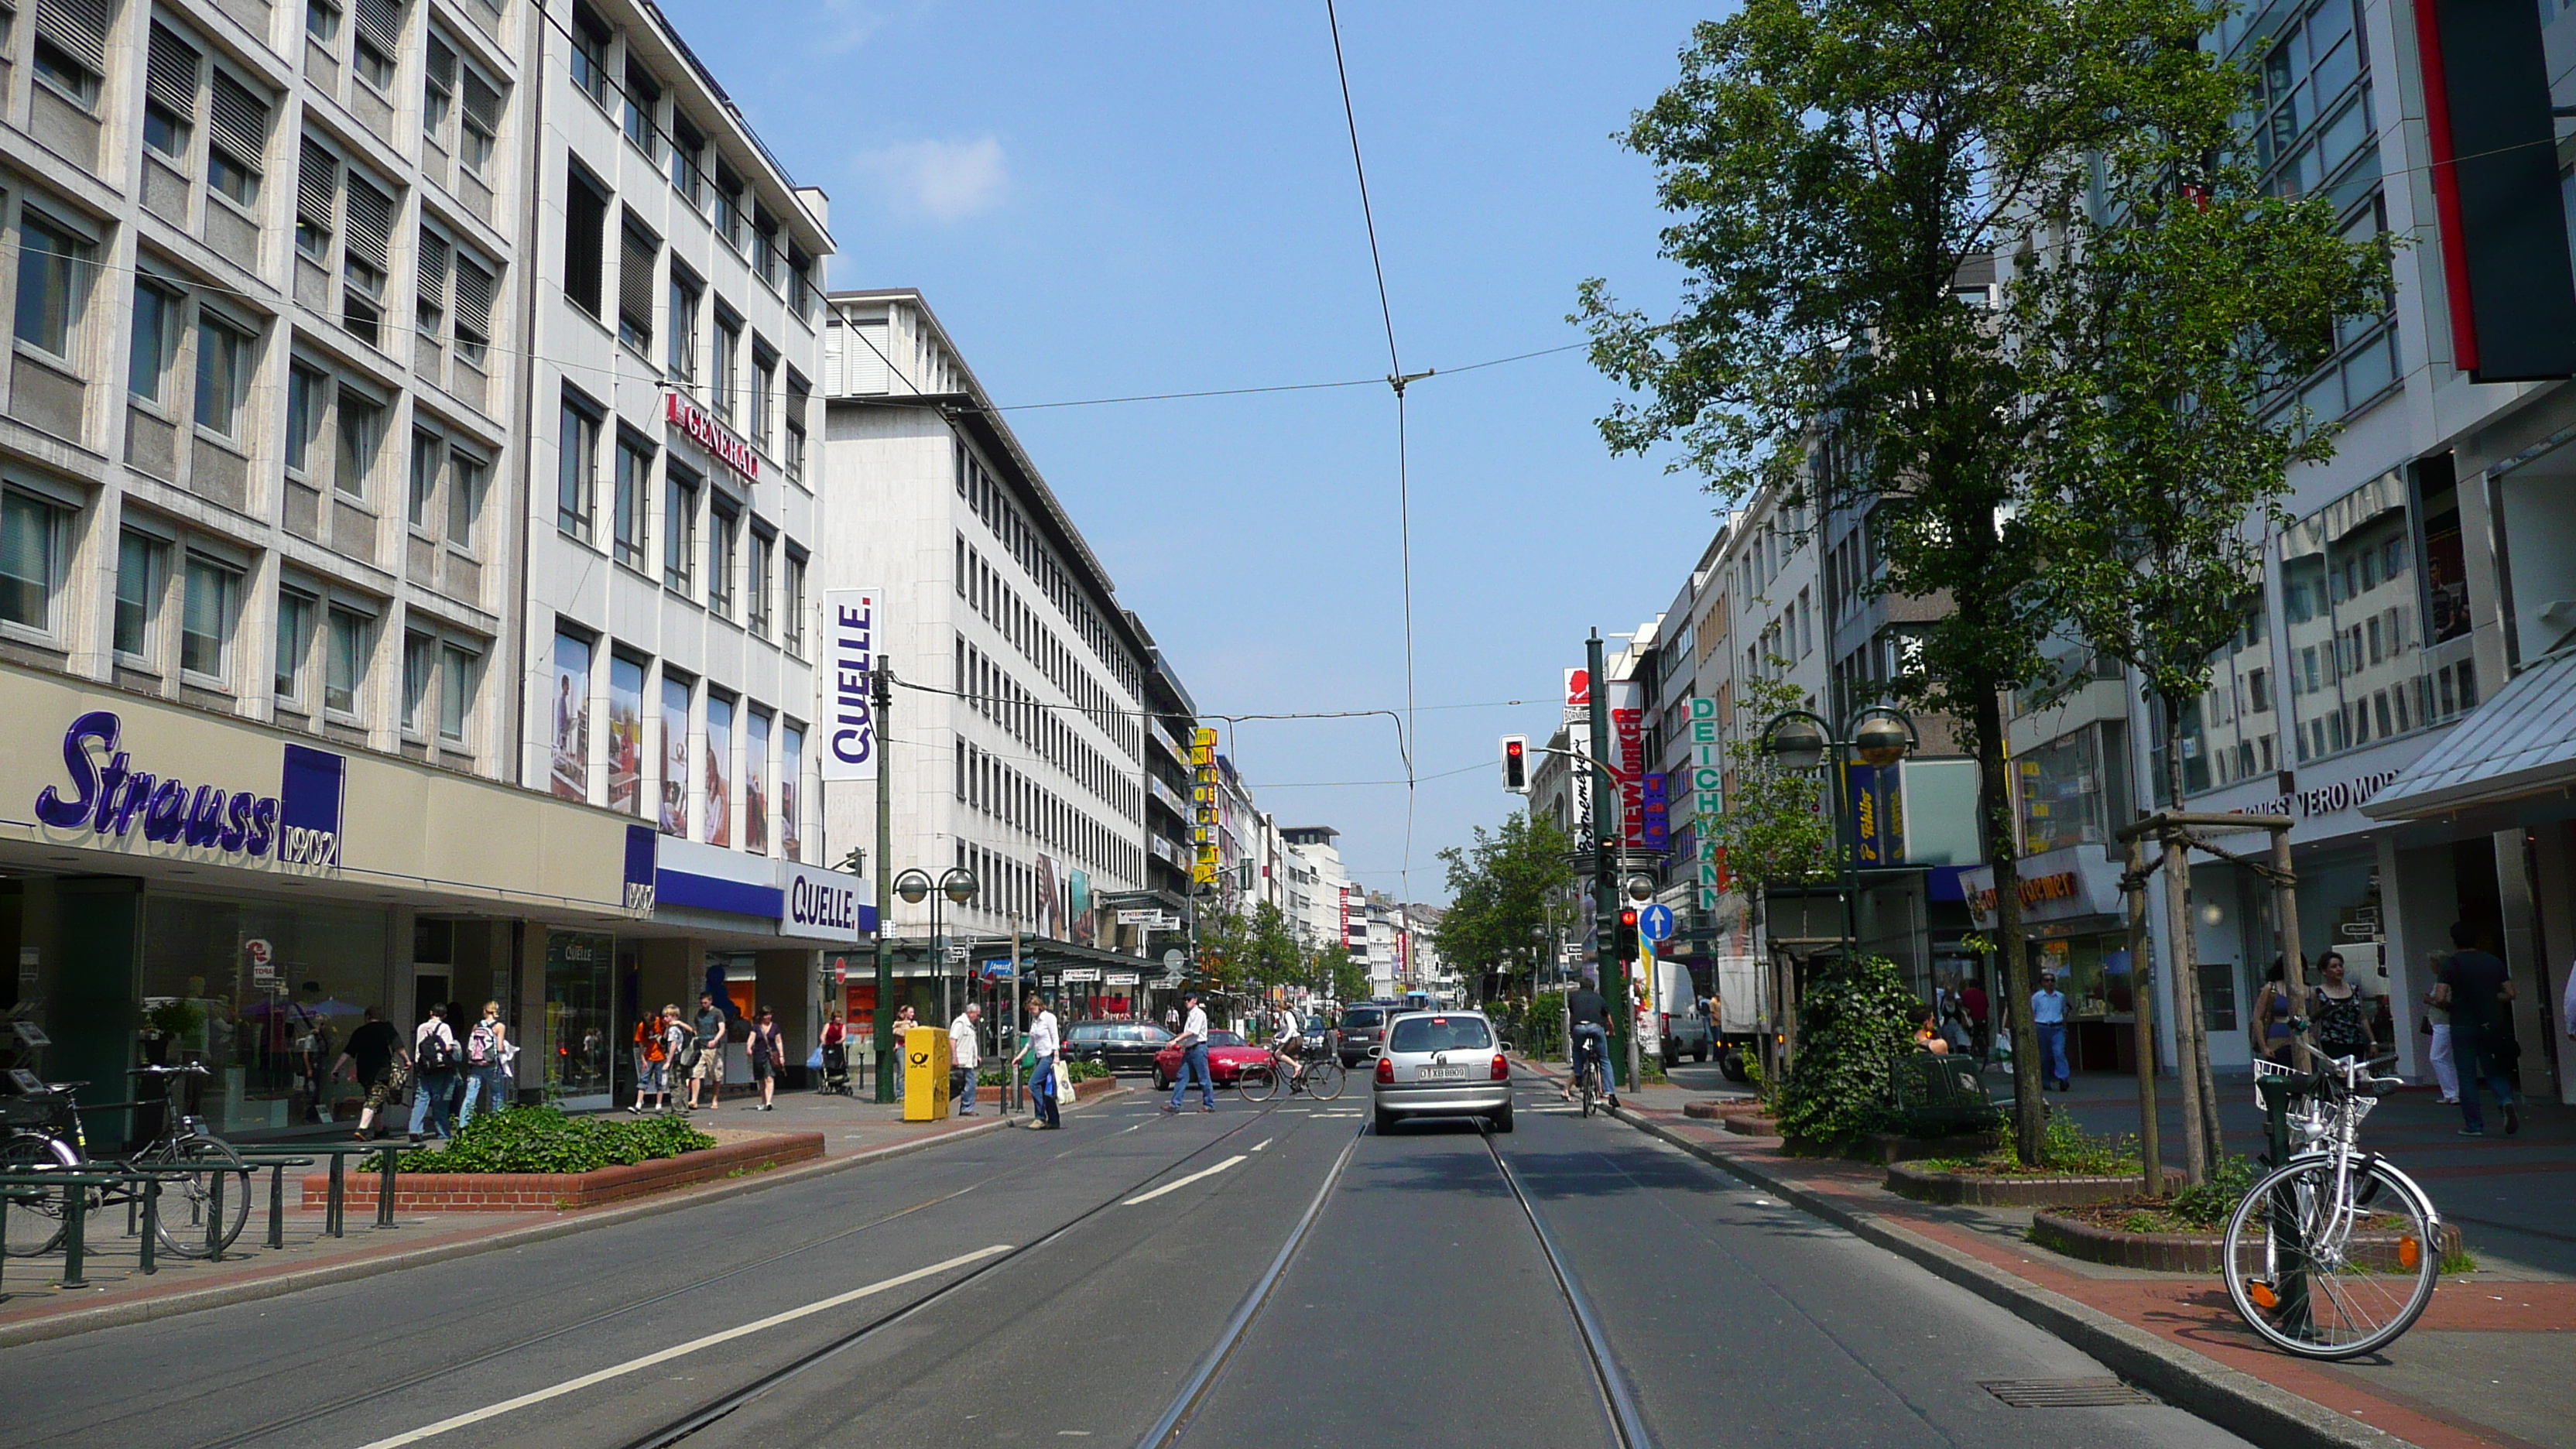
[{"x": 925, "y": 1074}]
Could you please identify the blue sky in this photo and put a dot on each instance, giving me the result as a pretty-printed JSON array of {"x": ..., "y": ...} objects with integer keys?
[{"x": 1107, "y": 200}]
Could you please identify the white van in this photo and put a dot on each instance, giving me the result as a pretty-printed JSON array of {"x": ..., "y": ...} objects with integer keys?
[{"x": 1673, "y": 1009}]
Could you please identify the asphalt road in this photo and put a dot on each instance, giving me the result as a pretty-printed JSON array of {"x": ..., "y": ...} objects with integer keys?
[{"x": 1035, "y": 1287}]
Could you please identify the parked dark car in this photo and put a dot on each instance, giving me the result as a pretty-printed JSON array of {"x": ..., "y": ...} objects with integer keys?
[
  {"x": 1121, "y": 1046},
  {"x": 1362, "y": 1028}
]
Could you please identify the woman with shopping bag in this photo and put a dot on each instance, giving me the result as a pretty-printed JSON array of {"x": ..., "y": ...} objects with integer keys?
[{"x": 1043, "y": 1047}]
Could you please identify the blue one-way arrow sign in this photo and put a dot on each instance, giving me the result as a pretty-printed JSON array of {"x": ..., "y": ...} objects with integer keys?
[{"x": 1656, "y": 922}]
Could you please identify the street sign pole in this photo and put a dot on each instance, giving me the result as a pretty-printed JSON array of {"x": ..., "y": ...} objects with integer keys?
[
  {"x": 884, "y": 703},
  {"x": 1605, "y": 861}
]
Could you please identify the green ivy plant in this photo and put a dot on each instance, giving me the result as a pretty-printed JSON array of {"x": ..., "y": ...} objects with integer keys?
[
  {"x": 543, "y": 1139},
  {"x": 1852, "y": 1025}
]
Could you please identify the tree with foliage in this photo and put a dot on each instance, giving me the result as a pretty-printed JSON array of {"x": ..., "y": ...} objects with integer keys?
[
  {"x": 1500, "y": 892},
  {"x": 1856, "y": 1020},
  {"x": 1836, "y": 169},
  {"x": 2169, "y": 321},
  {"x": 1338, "y": 974},
  {"x": 1249, "y": 951}
]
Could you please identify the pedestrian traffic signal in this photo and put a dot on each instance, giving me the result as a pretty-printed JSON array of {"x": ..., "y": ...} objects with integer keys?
[{"x": 1516, "y": 764}]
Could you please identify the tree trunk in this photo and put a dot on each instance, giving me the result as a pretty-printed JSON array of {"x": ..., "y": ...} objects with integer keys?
[
  {"x": 2202, "y": 1139},
  {"x": 1994, "y": 806}
]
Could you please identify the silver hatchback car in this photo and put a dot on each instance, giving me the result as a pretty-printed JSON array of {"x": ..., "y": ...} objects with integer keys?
[{"x": 1442, "y": 1064}]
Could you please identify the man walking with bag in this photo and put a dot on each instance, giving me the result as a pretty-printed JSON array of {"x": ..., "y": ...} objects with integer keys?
[
  {"x": 434, "y": 1055},
  {"x": 965, "y": 1053},
  {"x": 2477, "y": 990},
  {"x": 708, "y": 1071},
  {"x": 1194, "y": 1058}
]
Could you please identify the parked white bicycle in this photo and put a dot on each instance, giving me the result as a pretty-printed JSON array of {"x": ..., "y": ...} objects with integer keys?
[{"x": 2334, "y": 1253}]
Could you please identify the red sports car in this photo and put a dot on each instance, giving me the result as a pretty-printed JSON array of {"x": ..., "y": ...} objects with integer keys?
[{"x": 1228, "y": 1055}]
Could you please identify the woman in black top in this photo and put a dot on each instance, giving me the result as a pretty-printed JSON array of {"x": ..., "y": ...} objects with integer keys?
[
  {"x": 2342, "y": 1012},
  {"x": 372, "y": 1051}
]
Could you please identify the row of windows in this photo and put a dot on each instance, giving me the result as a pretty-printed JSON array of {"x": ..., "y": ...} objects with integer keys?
[
  {"x": 994, "y": 694},
  {"x": 693, "y": 767},
  {"x": 746, "y": 580},
  {"x": 1014, "y": 890},
  {"x": 992, "y": 503},
  {"x": 981, "y": 585},
  {"x": 990, "y": 784}
]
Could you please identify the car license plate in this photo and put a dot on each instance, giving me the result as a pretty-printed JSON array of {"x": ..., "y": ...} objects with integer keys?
[{"x": 1440, "y": 1074}]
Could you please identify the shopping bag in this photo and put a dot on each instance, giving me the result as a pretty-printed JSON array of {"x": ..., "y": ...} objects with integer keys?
[{"x": 1063, "y": 1082}]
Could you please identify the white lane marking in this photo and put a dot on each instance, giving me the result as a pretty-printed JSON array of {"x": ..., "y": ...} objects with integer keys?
[
  {"x": 555, "y": 1391},
  {"x": 1264, "y": 1142},
  {"x": 1123, "y": 1131},
  {"x": 1172, "y": 1186}
]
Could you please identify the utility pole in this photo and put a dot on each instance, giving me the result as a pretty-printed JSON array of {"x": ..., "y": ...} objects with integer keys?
[
  {"x": 1606, "y": 837},
  {"x": 883, "y": 700}
]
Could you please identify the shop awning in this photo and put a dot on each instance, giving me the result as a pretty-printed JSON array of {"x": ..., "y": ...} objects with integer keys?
[{"x": 2521, "y": 742}]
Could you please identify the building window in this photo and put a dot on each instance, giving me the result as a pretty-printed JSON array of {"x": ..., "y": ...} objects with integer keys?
[
  {"x": 155, "y": 341},
  {"x": 345, "y": 667},
  {"x": 472, "y": 314},
  {"x": 30, "y": 559},
  {"x": 728, "y": 206},
  {"x": 317, "y": 201},
  {"x": 479, "y": 136},
  {"x": 379, "y": 40},
  {"x": 465, "y": 480},
  {"x": 590, "y": 36},
  {"x": 681, "y": 363},
  {"x": 303, "y": 416},
  {"x": 764, "y": 396},
  {"x": 53, "y": 284},
  {"x": 430, "y": 265},
  {"x": 643, "y": 97},
  {"x": 237, "y": 121},
  {"x": 686, "y": 178},
  {"x": 577, "y": 471},
  {"x": 679, "y": 530},
  {"x": 139, "y": 564},
  {"x": 322, "y": 22},
  {"x": 419, "y": 654},
  {"x": 763, "y": 543},
  {"x": 792, "y": 603},
  {"x": 722, "y": 384},
  {"x": 438, "y": 89},
  {"x": 223, "y": 370},
  {"x": 792, "y": 450},
  {"x": 724, "y": 530},
  {"x": 635, "y": 287},
  {"x": 424, "y": 477},
  {"x": 362, "y": 437},
  {"x": 634, "y": 489},
  {"x": 455, "y": 694},
  {"x": 206, "y": 617},
  {"x": 366, "y": 260},
  {"x": 71, "y": 47},
  {"x": 169, "y": 96},
  {"x": 294, "y": 642},
  {"x": 585, "y": 238}
]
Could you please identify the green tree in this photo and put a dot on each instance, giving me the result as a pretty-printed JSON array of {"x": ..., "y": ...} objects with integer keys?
[
  {"x": 1500, "y": 891},
  {"x": 1835, "y": 169},
  {"x": 2168, "y": 326},
  {"x": 1776, "y": 829}
]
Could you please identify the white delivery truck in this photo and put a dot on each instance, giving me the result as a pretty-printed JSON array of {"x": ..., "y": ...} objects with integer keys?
[{"x": 1672, "y": 1014}]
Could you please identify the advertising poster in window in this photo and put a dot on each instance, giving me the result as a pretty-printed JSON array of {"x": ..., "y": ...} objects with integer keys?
[
  {"x": 1049, "y": 912},
  {"x": 791, "y": 781},
  {"x": 1085, "y": 925},
  {"x": 675, "y": 757},
  {"x": 755, "y": 784},
  {"x": 719, "y": 807},
  {"x": 625, "y": 736},
  {"x": 571, "y": 772}
]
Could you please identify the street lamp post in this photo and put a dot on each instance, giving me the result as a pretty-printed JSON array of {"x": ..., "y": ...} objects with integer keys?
[
  {"x": 1877, "y": 736},
  {"x": 959, "y": 885}
]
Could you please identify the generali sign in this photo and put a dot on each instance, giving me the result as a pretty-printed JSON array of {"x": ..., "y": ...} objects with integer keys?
[{"x": 682, "y": 412}]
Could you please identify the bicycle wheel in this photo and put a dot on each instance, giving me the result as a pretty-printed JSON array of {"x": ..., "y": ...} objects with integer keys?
[
  {"x": 2321, "y": 1275},
  {"x": 1583, "y": 1085},
  {"x": 1324, "y": 1079},
  {"x": 1256, "y": 1083},
  {"x": 37, "y": 1219},
  {"x": 188, "y": 1204}
]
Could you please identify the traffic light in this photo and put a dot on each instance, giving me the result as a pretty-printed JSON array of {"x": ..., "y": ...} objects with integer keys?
[
  {"x": 1628, "y": 934},
  {"x": 1516, "y": 764}
]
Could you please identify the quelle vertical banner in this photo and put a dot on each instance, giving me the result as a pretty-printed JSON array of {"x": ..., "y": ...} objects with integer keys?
[{"x": 853, "y": 621}]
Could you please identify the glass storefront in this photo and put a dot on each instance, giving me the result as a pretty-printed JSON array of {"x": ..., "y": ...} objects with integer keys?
[
  {"x": 265, "y": 994},
  {"x": 580, "y": 1049}
]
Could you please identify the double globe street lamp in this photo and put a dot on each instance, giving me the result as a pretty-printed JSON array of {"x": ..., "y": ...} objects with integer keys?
[
  {"x": 1876, "y": 735},
  {"x": 959, "y": 885}
]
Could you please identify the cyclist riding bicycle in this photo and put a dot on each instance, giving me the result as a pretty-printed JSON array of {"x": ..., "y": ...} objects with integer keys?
[
  {"x": 1587, "y": 1021},
  {"x": 1286, "y": 1038}
]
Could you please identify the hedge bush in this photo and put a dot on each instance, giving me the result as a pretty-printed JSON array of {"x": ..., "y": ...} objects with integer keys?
[
  {"x": 543, "y": 1139},
  {"x": 1852, "y": 1023}
]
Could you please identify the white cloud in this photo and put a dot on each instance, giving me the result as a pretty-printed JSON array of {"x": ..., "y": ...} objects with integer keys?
[{"x": 943, "y": 180}]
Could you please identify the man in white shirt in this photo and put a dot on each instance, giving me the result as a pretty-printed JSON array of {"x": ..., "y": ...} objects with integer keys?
[
  {"x": 435, "y": 1057},
  {"x": 965, "y": 1052},
  {"x": 1043, "y": 1044},
  {"x": 1194, "y": 1058}
]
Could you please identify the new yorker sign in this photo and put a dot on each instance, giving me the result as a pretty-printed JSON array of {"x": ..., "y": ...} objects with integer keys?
[
  {"x": 113, "y": 797},
  {"x": 682, "y": 412}
]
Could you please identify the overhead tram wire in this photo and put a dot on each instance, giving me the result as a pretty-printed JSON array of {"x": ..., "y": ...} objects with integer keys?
[{"x": 1396, "y": 379}]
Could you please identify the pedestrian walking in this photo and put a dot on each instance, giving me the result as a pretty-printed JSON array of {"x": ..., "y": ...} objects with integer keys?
[
  {"x": 1194, "y": 1058},
  {"x": 2270, "y": 1027},
  {"x": 1172, "y": 1020},
  {"x": 680, "y": 1049},
  {"x": 2048, "y": 1013},
  {"x": 2478, "y": 992},
  {"x": 1972, "y": 1000},
  {"x": 767, "y": 1048},
  {"x": 708, "y": 1070},
  {"x": 314, "y": 1056},
  {"x": 487, "y": 1071},
  {"x": 836, "y": 1056},
  {"x": 965, "y": 1053},
  {"x": 2342, "y": 1013},
  {"x": 372, "y": 1051},
  {"x": 434, "y": 1055},
  {"x": 653, "y": 1062},
  {"x": 2437, "y": 1025},
  {"x": 1043, "y": 1045}
]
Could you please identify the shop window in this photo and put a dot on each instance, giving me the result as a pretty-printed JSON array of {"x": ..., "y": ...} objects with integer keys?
[
  {"x": 295, "y": 614},
  {"x": 54, "y": 266},
  {"x": 211, "y": 603},
  {"x": 348, "y": 645},
  {"x": 268, "y": 1029}
]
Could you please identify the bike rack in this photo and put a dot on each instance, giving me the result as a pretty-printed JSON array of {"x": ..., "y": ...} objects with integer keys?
[{"x": 14, "y": 1186}]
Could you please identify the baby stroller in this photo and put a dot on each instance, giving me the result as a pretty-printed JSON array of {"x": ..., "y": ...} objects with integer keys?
[{"x": 836, "y": 1070}]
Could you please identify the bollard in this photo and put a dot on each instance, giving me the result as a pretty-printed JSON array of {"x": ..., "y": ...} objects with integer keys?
[
  {"x": 277, "y": 1205},
  {"x": 331, "y": 1204},
  {"x": 75, "y": 1224},
  {"x": 215, "y": 1220},
  {"x": 385, "y": 1192},
  {"x": 151, "y": 1220}
]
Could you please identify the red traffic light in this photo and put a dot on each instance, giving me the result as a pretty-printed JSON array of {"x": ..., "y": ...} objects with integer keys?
[
  {"x": 1628, "y": 918},
  {"x": 1514, "y": 748}
]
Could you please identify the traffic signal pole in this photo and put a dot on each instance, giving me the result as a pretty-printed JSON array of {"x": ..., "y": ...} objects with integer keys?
[
  {"x": 1606, "y": 836},
  {"x": 882, "y": 697}
]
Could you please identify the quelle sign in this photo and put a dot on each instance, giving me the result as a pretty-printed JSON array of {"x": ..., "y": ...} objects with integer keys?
[{"x": 707, "y": 433}]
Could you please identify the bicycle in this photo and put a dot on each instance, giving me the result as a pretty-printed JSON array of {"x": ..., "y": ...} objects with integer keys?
[
  {"x": 1320, "y": 1078},
  {"x": 1588, "y": 1066},
  {"x": 47, "y": 1135},
  {"x": 2333, "y": 1253}
]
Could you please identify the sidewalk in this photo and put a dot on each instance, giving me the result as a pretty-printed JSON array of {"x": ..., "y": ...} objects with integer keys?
[
  {"x": 33, "y": 1307},
  {"x": 2486, "y": 1368}
]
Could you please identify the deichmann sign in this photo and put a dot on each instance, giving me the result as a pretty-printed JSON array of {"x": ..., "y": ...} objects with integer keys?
[
  {"x": 1707, "y": 782},
  {"x": 299, "y": 826},
  {"x": 850, "y": 631},
  {"x": 702, "y": 428}
]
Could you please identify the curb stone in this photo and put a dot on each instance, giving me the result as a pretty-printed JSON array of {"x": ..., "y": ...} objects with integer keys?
[
  {"x": 2233, "y": 1400},
  {"x": 194, "y": 1300}
]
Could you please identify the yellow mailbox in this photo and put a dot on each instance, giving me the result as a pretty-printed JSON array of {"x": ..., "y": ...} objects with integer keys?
[{"x": 925, "y": 1074}]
